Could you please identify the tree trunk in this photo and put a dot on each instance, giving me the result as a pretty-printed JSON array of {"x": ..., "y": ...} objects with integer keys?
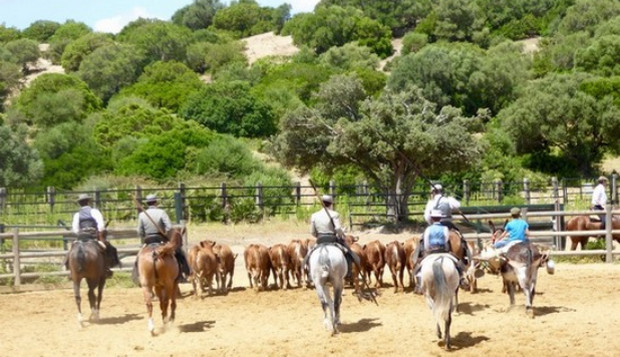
[{"x": 397, "y": 197}]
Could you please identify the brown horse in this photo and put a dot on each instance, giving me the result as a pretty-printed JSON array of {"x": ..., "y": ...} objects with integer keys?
[
  {"x": 584, "y": 223},
  {"x": 159, "y": 270},
  {"x": 87, "y": 260}
]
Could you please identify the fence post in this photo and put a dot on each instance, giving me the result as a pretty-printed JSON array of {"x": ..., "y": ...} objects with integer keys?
[
  {"x": 297, "y": 193},
  {"x": 178, "y": 206},
  {"x": 16, "y": 260},
  {"x": 182, "y": 202},
  {"x": 526, "y": 190},
  {"x": 2, "y": 198},
  {"x": 50, "y": 193},
  {"x": 614, "y": 189},
  {"x": 332, "y": 191},
  {"x": 258, "y": 196},
  {"x": 498, "y": 188},
  {"x": 555, "y": 192},
  {"x": 466, "y": 192},
  {"x": 609, "y": 258},
  {"x": 97, "y": 198},
  {"x": 138, "y": 200},
  {"x": 2, "y": 227},
  {"x": 225, "y": 205}
]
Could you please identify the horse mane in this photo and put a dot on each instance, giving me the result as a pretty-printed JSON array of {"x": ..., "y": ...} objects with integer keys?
[{"x": 175, "y": 241}]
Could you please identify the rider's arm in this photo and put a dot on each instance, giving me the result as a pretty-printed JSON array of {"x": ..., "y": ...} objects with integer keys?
[
  {"x": 166, "y": 220},
  {"x": 427, "y": 211},
  {"x": 98, "y": 217},
  {"x": 141, "y": 232},
  {"x": 337, "y": 227},
  {"x": 75, "y": 224}
]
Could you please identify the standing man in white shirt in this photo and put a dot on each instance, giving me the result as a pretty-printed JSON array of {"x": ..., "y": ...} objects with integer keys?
[{"x": 599, "y": 198}]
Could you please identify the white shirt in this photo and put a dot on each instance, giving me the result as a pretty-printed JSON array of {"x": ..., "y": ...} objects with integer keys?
[
  {"x": 321, "y": 224},
  {"x": 599, "y": 196},
  {"x": 97, "y": 216},
  {"x": 432, "y": 203}
]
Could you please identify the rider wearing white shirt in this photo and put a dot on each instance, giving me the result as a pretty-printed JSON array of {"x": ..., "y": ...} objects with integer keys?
[{"x": 599, "y": 198}]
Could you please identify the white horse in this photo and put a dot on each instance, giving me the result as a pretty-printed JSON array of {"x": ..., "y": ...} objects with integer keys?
[
  {"x": 440, "y": 283},
  {"x": 328, "y": 265}
]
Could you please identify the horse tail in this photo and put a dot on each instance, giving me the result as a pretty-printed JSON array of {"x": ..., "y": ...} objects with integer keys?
[
  {"x": 80, "y": 258},
  {"x": 324, "y": 262},
  {"x": 442, "y": 300}
]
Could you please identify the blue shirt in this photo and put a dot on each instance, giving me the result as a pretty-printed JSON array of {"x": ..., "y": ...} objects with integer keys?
[{"x": 516, "y": 230}]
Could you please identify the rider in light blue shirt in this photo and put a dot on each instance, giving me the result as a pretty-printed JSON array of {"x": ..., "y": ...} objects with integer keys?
[{"x": 516, "y": 230}]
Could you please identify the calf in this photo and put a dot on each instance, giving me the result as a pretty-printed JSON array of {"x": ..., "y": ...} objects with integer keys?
[
  {"x": 409, "y": 247},
  {"x": 357, "y": 249},
  {"x": 257, "y": 265},
  {"x": 226, "y": 266},
  {"x": 297, "y": 250},
  {"x": 375, "y": 261},
  {"x": 280, "y": 262},
  {"x": 203, "y": 263},
  {"x": 395, "y": 260}
]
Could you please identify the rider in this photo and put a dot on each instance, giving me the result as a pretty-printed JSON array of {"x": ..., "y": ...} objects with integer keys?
[
  {"x": 88, "y": 224},
  {"x": 599, "y": 198},
  {"x": 435, "y": 239},
  {"x": 515, "y": 231},
  {"x": 153, "y": 227},
  {"x": 446, "y": 204},
  {"x": 325, "y": 226}
]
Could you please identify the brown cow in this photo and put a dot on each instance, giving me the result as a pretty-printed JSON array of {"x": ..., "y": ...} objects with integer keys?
[
  {"x": 409, "y": 247},
  {"x": 297, "y": 250},
  {"x": 280, "y": 262},
  {"x": 203, "y": 263},
  {"x": 395, "y": 260},
  {"x": 357, "y": 249},
  {"x": 257, "y": 265},
  {"x": 226, "y": 266},
  {"x": 375, "y": 260}
]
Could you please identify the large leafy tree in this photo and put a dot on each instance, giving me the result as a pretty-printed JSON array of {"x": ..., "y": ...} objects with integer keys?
[
  {"x": 41, "y": 30},
  {"x": 10, "y": 76},
  {"x": 20, "y": 164},
  {"x": 198, "y": 15},
  {"x": 64, "y": 35},
  {"x": 231, "y": 108},
  {"x": 165, "y": 85},
  {"x": 23, "y": 52},
  {"x": 77, "y": 50},
  {"x": 565, "y": 129},
  {"x": 110, "y": 68},
  {"x": 158, "y": 40},
  {"x": 393, "y": 139},
  {"x": 55, "y": 98}
]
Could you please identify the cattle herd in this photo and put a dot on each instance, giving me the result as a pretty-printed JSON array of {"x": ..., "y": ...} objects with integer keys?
[{"x": 214, "y": 261}]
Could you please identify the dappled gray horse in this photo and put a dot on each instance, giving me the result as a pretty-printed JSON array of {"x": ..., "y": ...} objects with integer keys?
[
  {"x": 328, "y": 265},
  {"x": 440, "y": 283}
]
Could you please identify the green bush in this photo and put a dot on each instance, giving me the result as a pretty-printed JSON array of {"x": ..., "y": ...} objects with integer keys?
[{"x": 244, "y": 209}]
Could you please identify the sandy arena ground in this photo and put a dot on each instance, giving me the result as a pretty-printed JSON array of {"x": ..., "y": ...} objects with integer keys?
[{"x": 576, "y": 315}]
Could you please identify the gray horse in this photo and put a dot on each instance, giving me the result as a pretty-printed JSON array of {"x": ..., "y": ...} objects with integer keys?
[{"x": 328, "y": 265}]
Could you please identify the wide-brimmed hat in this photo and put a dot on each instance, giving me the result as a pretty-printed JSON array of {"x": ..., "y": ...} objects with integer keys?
[
  {"x": 515, "y": 211},
  {"x": 151, "y": 198},
  {"x": 602, "y": 178},
  {"x": 327, "y": 199},
  {"x": 436, "y": 187},
  {"x": 83, "y": 197},
  {"x": 436, "y": 214}
]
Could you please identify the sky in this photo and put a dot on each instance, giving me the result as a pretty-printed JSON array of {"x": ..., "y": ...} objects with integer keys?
[{"x": 108, "y": 15}]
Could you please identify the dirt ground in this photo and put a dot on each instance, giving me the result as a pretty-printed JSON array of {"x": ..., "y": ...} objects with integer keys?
[{"x": 576, "y": 315}]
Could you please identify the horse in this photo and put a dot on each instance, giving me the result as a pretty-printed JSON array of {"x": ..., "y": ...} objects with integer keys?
[
  {"x": 584, "y": 223},
  {"x": 472, "y": 271},
  {"x": 87, "y": 260},
  {"x": 440, "y": 283},
  {"x": 159, "y": 270},
  {"x": 328, "y": 265}
]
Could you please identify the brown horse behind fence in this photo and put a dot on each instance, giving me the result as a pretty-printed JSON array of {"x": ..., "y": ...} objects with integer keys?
[
  {"x": 87, "y": 260},
  {"x": 584, "y": 223},
  {"x": 159, "y": 270}
]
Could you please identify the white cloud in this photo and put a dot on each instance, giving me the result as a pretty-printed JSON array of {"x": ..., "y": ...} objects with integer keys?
[
  {"x": 303, "y": 5},
  {"x": 116, "y": 23}
]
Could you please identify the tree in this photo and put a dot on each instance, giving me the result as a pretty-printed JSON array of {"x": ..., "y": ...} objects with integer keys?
[
  {"x": 586, "y": 15},
  {"x": 23, "y": 52},
  {"x": 456, "y": 20},
  {"x": 41, "y": 30},
  {"x": 55, "y": 98},
  {"x": 198, "y": 15},
  {"x": 601, "y": 57},
  {"x": 70, "y": 154},
  {"x": 77, "y": 50},
  {"x": 158, "y": 40},
  {"x": 110, "y": 68},
  {"x": 8, "y": 34},
  {"x": 230, "y": 108},
  {"x": 563, "y": 128},
  {"x": 349, "y": 57},
  {"x": 165, "y": 85},
  {"x": 10, "y": 76},
  {"x": 210, "y": 57},
  {"x": 20, "y": 165},
  {"x": 65, "y": 34},
  {"x": 396, "y": 136}
]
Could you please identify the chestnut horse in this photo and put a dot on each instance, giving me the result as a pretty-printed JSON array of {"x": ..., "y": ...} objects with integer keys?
[
  {"x": 159, "y": 270},
  {"x": 87, "y": 260},
  {"x": 584, "y": 223}
]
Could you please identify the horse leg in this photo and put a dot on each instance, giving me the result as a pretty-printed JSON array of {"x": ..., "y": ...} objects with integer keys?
[
  {"x": 446, "y": 337},
  {"x": 338, "y": 287},
  {"x": 78, "y": 299},
  {"x": 92, "y": 299},
  {"x": 100, "y": 287},
  {"x": 148, "y": 300},
  {"x": 326, "y": 303}
]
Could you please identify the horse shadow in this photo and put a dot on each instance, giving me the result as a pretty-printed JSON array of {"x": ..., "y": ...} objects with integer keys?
[
  {"x": 546, "y": 310},
  {"x": 359, "y": 326},
  {"x": 468, "y": 308},
  {"x": 199, "y": 326},
  {"x": 465, "y": 340},
  {"x": 119, "y": 319}
]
